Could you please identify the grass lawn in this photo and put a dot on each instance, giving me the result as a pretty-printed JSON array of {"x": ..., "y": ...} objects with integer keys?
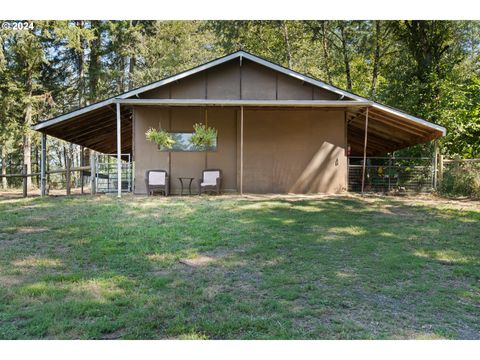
[{"x": 256, "y": 268}]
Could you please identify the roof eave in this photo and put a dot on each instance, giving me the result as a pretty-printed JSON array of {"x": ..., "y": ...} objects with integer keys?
[{"x": 243, "y": 102}]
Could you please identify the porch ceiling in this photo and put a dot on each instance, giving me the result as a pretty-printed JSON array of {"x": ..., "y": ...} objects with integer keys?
[
  {"x": 387, "y": 132},
  {"x": 95, "y": 130}
]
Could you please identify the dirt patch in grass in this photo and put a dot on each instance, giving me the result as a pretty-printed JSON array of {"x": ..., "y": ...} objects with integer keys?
[
  {"x": 117, "y": 334},
  {"x": 30, "y": 230},
  {"x": 9, "y": 280},
  {"x": 198, "y": 261}
]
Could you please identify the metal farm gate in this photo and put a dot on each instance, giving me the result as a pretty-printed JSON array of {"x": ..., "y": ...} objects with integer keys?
[
  {"x": 106, "y": 178},
  {"x": 387, "y": 174}
]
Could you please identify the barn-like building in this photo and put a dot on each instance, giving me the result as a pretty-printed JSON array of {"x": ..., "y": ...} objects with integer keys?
[{"x": 278, "y": 131}]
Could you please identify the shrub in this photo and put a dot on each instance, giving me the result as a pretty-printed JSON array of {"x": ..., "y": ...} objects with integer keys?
[{"x": 461, "y": 179}]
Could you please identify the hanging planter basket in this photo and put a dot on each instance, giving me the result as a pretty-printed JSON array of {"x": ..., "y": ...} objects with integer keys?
[
  {"x": 203, "y": 138},
  {"x": 163, "y": 139}
]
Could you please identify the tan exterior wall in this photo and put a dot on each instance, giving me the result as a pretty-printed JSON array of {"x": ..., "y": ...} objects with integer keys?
[
  {"x": 185, "y": 164},
  {"x": 301, "y": 151},
  {"x": 285, "y": 150},
  {"x": 232, "y": 81},
  {"x": 146, "y": 154}
]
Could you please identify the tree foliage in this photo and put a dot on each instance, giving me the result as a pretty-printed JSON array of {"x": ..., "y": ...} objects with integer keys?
[{"x": 427, "y": 68}]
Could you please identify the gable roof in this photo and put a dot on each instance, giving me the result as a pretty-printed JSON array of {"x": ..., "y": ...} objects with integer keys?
[{"x": 238, "y": 55}]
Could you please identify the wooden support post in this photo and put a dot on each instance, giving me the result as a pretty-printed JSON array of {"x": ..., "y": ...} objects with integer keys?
[
  {"x": 82, "y": 163},
  {"x": 390, "y": 172},
  {"x": 119, "y": 153},
  {"x": 365, "y": 151},
  {"x": 92, "y": 172},
  {"x": 25, "y": 177},
  {"x": 43, "y": 166},
  {"x": 67, "y": 174},
  {"x": 241, "y": 150}
]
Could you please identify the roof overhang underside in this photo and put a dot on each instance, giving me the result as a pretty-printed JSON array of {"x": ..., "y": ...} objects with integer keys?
[
  {"x": 387, "y": 131},
  {"x": 95, "y": 129}
]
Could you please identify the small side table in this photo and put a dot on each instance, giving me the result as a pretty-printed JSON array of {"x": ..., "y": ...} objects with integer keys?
[{"x": 190, "y": 179}]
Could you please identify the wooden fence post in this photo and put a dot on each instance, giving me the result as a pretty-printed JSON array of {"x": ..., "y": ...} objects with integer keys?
[
  {"x": 82, "y": 163},
  {"x": 92, "y": 172},
  {"x": 67, "y": 175},
  {"x": 435, "y": 164},
  {"x": 25, "y": 177},
  {"x": 43, "y": 162},
  {"x": 440, "y": 169}
]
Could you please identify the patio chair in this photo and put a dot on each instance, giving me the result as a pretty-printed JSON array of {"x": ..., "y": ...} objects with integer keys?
[
  {"x": 211, "y": 181},
  {"x": 156, "y": 181}
]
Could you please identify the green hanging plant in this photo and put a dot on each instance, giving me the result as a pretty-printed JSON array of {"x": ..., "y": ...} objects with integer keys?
[
  {"x": 204, "y": 137},
  {"x": 163, "y": 139}
]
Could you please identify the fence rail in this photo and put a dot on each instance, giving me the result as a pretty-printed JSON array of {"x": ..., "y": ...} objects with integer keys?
[
  {"x": 450, "y": 161},
  {"x": 24, "y": 175},
  {"x": 103, "y": 168},
  {"x": 54, "y": 171}
]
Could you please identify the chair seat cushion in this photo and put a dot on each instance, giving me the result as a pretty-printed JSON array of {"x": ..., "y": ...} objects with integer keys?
[{"x": 208, "y": 184}]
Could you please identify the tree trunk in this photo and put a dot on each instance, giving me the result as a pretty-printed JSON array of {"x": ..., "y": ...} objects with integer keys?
[
  {"x": 59, "y": 155},
  {"x": 131, "y": 68},
  {"x": 94, "y": 64},
  {"x": 121, "y": 82},
  {"x": 27, "y": 136},
  {"x": 287, "y": 44},
  {"x": 81, "y": 68},
  {"x": 346, "y": 57},
  {"x": 376, "y": 59},
  {"x": 27, "y": 156},
  {"x": 4, "y": 167},
  {"x": 37, "y": 165},
  {"x": 132, "y": 62},
  {"x": 65, "y": 160},
  {"x": 326, "y": 51}
]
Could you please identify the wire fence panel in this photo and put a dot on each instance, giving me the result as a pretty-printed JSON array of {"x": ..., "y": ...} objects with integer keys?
[
  {"x": 386, "y": 174},
  {"x": 106, "y": 173}
]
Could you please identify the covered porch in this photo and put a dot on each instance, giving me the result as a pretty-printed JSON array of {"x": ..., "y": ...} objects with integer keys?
[{"x": 368, "y": 129}]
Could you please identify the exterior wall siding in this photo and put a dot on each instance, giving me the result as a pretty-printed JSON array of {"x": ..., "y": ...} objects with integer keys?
[
  {"x": 185, "y": 164},
  {"x": 232, "y": 81},
  {"x": 285, "y": 150},
  {"x": 297, "y": 151}
]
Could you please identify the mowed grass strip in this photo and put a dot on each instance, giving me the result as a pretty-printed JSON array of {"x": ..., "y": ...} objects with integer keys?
[{"x": 238, "y": 268}]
